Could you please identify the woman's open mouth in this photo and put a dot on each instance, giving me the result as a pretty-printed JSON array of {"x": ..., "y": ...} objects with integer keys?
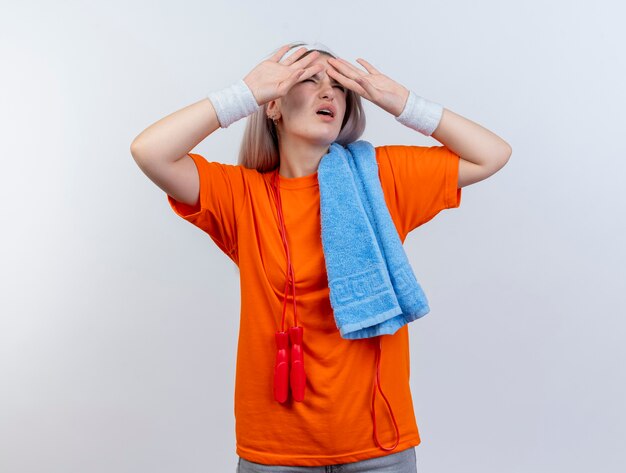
[
  {"x": 326, "y": 111},
  {"x": 326, "y": 115}
]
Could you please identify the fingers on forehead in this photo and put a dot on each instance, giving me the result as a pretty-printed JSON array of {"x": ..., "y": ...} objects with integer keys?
[
  {"x": 302, "y": 56},
  {"x": 280, "y": 52},
  {"x": 291, "y": 54}
]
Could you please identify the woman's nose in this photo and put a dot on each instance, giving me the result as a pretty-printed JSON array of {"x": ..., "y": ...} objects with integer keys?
[{"x": 326, "y": 88}]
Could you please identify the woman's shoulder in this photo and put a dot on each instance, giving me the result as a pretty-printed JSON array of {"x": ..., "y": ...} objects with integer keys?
[{"x": 230, "y": 168}]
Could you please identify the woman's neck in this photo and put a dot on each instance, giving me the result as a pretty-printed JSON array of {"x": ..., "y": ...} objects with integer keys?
[{"x": 300, "y": 159}]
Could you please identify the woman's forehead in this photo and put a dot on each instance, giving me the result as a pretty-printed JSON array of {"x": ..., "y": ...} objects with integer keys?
[{"x": 323, "y": 60}]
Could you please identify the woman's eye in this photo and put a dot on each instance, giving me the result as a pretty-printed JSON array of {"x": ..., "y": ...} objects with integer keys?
[{"x": 342, "y": 88}]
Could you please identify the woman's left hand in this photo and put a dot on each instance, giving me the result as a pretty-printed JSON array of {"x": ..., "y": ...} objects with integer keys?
[{"x": 372, "y": 85}]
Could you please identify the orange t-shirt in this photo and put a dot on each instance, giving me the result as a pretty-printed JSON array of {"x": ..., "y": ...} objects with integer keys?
[{"x": 333, "y": 424}]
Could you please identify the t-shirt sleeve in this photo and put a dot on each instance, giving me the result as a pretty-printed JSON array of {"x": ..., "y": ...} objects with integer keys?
[
  {"x": 418, "y": 182},
  {"x": 221, "y": 199}
]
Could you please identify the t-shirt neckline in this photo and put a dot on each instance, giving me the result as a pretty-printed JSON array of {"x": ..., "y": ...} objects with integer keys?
[{"x": 296, "y": 182}]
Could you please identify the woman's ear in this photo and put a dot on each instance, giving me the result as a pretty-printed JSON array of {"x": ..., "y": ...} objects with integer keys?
[{"x": 273, "y": 110}]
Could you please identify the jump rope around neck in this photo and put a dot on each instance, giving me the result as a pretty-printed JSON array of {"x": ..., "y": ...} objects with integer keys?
[{"x": 292, "y": 374}]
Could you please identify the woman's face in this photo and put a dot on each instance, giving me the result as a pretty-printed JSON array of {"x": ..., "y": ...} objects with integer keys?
[{"x": 298, "y": 108}]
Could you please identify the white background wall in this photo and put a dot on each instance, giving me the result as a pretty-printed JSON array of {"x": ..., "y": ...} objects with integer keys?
[{"x": 119, "y": 320}]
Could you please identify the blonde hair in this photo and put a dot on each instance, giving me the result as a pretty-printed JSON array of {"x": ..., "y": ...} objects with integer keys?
[{"x": 259, "y": 145}]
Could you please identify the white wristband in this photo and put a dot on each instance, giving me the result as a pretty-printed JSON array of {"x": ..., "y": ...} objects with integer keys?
[
  {"x": 233, "y": 103},
  {"x": 420, "y": 114}
]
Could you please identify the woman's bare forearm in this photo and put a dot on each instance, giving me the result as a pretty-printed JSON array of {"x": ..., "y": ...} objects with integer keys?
[{"x": 173, "y": 136}]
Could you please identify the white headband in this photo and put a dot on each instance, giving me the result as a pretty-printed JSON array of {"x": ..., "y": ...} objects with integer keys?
[{"x": 309, "y": 47}]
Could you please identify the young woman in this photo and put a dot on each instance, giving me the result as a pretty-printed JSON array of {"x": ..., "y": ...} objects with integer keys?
[{"x": 264, "y": 214}]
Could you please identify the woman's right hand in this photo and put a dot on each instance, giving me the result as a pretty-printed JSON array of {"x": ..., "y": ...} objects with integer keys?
[{"x": 272, "y": 79}]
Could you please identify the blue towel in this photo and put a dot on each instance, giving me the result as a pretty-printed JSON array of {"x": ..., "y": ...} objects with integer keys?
[{"x": 373, "y": 290}]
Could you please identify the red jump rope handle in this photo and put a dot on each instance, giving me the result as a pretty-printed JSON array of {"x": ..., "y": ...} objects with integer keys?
[
  {"x": 298, "y": 378},
  {"x": 281, "y": 368}
]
